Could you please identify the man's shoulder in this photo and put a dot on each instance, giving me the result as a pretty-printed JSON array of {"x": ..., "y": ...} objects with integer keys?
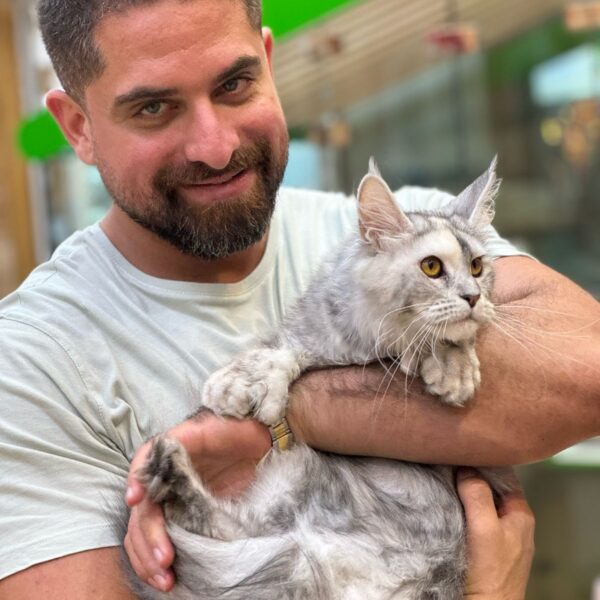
[
  {"x": 319, "y": 216},
  {"x": 299, "y": 201},
  {"x": 422, "y": 199},
  {"x": 411, "y": 198},
  {"x": 55, "y": 291}
]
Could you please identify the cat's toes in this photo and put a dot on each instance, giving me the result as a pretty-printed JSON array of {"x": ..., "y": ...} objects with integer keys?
[
  {"x": 254, "y": 385},
  {"x": 167, "y": 463},
  {"x": 456, "y": 398},
  {"x": 432, "y": 371},
  {"x": 227, "y": 392},
  {"x": 439, "y": 378},
  {"x": 450, "y": 377},
  {"x": 273, "y": 404}
]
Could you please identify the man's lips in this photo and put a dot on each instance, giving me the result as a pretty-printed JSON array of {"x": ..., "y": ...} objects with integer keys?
[
  {"x": 220, "y": 187},
  {"x": 217, "y": 180}
]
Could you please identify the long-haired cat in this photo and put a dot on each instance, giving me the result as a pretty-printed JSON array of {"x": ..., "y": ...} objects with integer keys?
[{"x": 410, "y": 287}]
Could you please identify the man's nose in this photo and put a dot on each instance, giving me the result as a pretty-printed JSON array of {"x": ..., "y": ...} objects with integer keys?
[{"x": 211, "y": 136}]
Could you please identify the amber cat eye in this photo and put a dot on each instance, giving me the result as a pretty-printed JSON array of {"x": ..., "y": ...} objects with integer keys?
[
  {"x": 476, "y": 267},
  {"x": 432, "y": 266}
]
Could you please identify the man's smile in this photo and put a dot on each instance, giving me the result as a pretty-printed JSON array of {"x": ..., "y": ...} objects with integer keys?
[{"x": 221, "y": 187}]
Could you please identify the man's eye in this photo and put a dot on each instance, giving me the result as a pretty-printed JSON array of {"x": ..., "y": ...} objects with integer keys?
[
  {"x": 237, "y": 85},
  {"x": 152, "y": 108},
  {"x": 232, "y": 85}
]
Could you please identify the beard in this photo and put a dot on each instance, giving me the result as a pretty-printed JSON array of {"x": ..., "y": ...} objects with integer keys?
[{"x": 211, "y": 231}]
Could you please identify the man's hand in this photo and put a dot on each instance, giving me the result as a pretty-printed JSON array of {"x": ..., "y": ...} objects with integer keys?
[
  {"x": 225, "y": 453},
  {"x": 499, "y": 541}
]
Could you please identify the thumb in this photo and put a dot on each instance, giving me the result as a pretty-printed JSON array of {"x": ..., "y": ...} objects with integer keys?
[{"x": 135, "y": 489}]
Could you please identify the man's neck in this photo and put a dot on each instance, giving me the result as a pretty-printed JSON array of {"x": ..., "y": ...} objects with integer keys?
[{"x": 156, "y": 257}]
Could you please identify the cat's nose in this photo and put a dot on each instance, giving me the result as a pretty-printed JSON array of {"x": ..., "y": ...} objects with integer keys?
[{"x": 472, "y": 300}]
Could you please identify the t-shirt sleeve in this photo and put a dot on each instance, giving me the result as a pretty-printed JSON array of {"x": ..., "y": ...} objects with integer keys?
[
  {"x": 62, "y": 478},
  {"x": 414, "y": 199}
]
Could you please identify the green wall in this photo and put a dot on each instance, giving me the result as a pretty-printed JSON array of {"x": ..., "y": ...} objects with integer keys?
[{"x": 285, "y": 16}]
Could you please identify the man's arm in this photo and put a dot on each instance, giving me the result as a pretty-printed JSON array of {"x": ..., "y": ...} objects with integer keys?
[
  {"x": 540, "y": 391},
  {"x": 62, "y": 481},
  {"x": 93, "y": 575}
]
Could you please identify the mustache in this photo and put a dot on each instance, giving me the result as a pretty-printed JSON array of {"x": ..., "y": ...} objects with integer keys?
[{"x": 195, "y": 173}]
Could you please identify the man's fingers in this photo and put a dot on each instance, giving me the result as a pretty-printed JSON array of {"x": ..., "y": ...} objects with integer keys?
[
  {"x": 514, "y": 500},
  {"x": 152, "y": 525},
  {"x": 477, "y": 499},
  {"x": 136, "y": 563},
  {"x": 146, "y": 564},
  {"x": 135, "y": 490},
  {"x": 148, "y": 546},
  {"x": 158, "y": 578},
  {"x": 513, "y": 506}
]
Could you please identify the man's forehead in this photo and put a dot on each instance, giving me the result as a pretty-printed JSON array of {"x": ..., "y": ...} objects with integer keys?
[
  {"x": 169, "y": 27},
  {"x": 173, "y": 48}
]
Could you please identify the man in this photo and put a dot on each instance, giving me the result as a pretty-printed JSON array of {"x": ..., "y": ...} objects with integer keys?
[{"x": 111, "y": 340}]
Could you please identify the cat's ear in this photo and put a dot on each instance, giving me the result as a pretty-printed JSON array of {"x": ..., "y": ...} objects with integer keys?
[
  {"x": 379, "y": 215},
  {"x": 476, "y": 203}
]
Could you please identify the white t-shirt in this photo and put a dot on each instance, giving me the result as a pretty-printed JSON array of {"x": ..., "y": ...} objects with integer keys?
[{"x": 96, "y": 357}]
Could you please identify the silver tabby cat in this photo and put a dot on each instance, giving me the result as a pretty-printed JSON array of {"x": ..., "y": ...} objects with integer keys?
[{"x": 410, "y": 287}]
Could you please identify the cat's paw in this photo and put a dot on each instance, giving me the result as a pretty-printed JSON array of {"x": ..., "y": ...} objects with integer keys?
[
  {"x": 166, "y": 470},
  {"x": 452, "y": 373},
  {"x": 255, "y": 384}
]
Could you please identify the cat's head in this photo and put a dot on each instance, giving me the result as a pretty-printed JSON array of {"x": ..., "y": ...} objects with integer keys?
[{"x": 435, "y": 263}]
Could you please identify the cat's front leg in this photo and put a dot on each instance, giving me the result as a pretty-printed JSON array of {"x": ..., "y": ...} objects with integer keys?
[
  {"x": 255, "y": 384},
  {"x": 170, "y": 479},
  {"x": 452, "y": 372}
]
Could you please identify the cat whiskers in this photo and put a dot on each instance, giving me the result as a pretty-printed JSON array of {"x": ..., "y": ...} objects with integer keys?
[
  {"x": 391, "y": 371},
  {"x": 381, "y": 336},
  {"x": 512, "y": 327},
  {"x": 415, "y": 347},
  {"x": 563, "y": 333},
  {"x": 440, "y": 327}
]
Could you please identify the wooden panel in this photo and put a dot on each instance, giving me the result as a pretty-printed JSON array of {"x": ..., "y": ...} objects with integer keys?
[
  {"x": 382, "y": 43},
  {"x": 16, "y": 248}
]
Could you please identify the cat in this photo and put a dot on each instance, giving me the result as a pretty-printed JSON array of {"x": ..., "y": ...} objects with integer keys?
[{"x": 410, "y": 287}]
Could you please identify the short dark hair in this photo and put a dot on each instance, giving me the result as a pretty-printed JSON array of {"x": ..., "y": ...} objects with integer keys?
[{"x": 68, "y": 28}]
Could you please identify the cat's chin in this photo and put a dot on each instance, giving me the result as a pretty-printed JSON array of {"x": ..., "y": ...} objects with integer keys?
[{"x": 462, "y": 330}]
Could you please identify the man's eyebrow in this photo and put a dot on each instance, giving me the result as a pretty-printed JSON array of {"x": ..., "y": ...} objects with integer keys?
[
  {"x": 243, "y": 62},
  {"x": 143, "y": 93},
  {"x": 149, "y": 93}
]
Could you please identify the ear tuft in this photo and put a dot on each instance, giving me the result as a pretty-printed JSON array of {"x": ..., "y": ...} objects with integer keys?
[
  {"x": 476, "y": 203},
  {"x": 380, "y": 217},
  {"x": 373, "y": 168}
]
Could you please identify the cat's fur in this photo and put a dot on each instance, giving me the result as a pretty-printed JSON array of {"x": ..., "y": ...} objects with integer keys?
[{"x": 323, "y": 527}]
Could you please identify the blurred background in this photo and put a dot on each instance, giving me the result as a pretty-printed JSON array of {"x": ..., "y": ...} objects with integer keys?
[{"x": 431, "y": 88}]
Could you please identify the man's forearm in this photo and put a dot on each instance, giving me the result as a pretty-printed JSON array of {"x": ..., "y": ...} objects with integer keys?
[{"x": 540, "y": 387}]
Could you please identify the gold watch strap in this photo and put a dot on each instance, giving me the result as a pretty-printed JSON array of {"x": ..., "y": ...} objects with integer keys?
[{"x": 282, "y": 437}]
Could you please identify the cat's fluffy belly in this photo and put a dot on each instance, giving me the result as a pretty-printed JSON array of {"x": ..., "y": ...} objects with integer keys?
[{"x": 335, "y": 527}]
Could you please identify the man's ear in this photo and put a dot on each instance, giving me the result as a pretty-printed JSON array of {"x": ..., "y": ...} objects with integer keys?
[
  {"x": 73, "y": 122},
  {"x": 267, "y": 35}
]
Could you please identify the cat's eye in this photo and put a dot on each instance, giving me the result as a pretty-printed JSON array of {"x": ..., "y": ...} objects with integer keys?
[
  {"x": 476, "y": 267},
  {"x": 432, "y": 266}
]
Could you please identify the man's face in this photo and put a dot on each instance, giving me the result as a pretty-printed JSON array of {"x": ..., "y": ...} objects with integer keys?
[{"x": 188, "y": 133}]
